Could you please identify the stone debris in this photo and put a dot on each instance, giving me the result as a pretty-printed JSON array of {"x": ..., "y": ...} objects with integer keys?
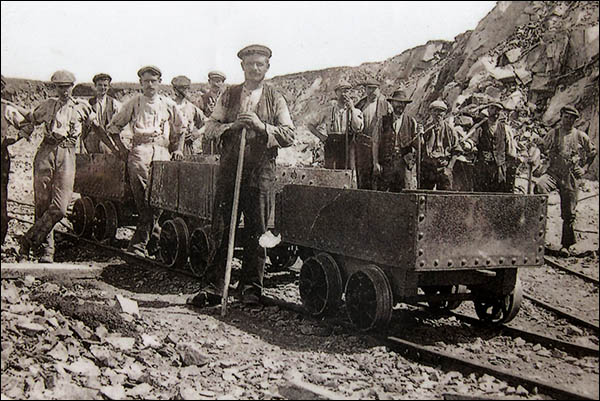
[{"x": 128, "y": 306}]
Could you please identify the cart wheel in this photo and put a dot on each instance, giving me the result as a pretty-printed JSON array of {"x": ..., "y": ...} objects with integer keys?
[
  {"x": 106, "y": 221},
  {"x": 282, "y": 257},
  {"x": 444, "y": 290},
  {"x": 174, "y": 240},
  {"x": 320, "y": 285},
  {"x": 501, "y": 310},
  {"x": 199, "y": 251},
  {"x": 369, "y": 298},
  {"x": 82, "y": 217}
]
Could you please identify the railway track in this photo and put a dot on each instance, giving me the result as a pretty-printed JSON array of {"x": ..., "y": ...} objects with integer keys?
[{"x": 418, "y": 352}]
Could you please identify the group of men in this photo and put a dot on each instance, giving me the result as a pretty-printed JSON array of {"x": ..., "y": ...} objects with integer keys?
[
  {"x": 390, "y": 151},
  {"x": 375, "y": 137}
]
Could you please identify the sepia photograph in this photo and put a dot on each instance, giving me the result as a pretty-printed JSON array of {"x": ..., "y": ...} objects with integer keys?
[{"x": 300, "y": 200}]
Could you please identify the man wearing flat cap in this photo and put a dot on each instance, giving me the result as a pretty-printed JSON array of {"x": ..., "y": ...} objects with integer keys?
[
  {"x": 194, "y": 117},
  {"x": 570, "y": 153},
  {"x": 62, "y": 118},
  {"x": 374, "y": 107},
  {"x": 13, "y": 116},
  {"x": 94, "y": 137},
  {"x": 156, "y": 124},
  {"x": 397, "y": 147},
  {"x": 439, "y": 144},
  {"x": 337, "y": 126},
  {"x": 263, "y": 112},
  {"x": 494, "y": 144},
  {"x": 208, "y": 101}
]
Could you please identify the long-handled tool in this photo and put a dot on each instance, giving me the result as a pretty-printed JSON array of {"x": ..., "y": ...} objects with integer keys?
[{"x": 233, "y": 225}]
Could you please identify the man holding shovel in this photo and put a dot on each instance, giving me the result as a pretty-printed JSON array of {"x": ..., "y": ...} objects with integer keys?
[{"x": 255, "y": 117}]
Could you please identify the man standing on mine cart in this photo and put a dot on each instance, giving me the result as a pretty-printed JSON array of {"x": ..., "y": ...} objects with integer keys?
[
  {"x": 156, "y": 123},
  {"x": 194, "y": 117},
  {"x": 14, "y": 116},
  {"x": 397, "y": 147},
  {"x": 374, "y": 108},
  {"x": 263, "y": 112},
  {"x": 94, "y": 137},
  {"x": 54, "y": 164},
  {"x": 570, "y": 153},
  {"x": 337, "y": 128},
  {"x": 216, "y": 80}
]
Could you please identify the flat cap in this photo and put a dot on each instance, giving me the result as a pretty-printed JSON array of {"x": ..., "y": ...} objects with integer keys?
[
  {"x": 399, "y": 96},
  {"x": 62, "y": 77},
  {"x": 570, "y": 110},
  {"x": 343, "y": 84},
  {"x": 149, "y": 68},
  {"x": 254, "y": 49},
  {"x": 217, "y": 74},
  {"x": 181, "y": 80},
  {"x": 371, "y": 82},
  {"x": 438, "y": 104},
  {"x": 101, "y": 76},
  {"x": 496, "y": 103}
]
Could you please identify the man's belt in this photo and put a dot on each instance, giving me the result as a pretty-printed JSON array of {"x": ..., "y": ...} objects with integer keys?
[
  {"x": 147, "y": 139},
  {"x": 63, "y": 142}
]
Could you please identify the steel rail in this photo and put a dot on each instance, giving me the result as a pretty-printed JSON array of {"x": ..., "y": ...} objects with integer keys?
[
  {"x": 571, "y": 348},
  {"x": 553, "y": 263},
  {"x": 562, "y": 313}
]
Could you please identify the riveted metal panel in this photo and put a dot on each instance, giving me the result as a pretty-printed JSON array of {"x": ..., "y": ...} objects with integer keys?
[
  {"x": 466, "y": 231},
  {"x": 368, "y": 225},
  {"x": 102, "y": 176},
  {"x": 164, "y": 185},
  {"x": 196, "y": 189}
]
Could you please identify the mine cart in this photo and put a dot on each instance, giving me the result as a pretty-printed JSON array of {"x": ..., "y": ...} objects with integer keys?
[
  {"x": 106, "y": 200},
  {"x": 376, "y": 249},
  {"x": 185, "y": 190}
]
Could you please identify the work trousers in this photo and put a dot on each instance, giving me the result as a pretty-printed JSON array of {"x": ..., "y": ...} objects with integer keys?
[
  {"x": 138, "y": 165},
  {"x": 568, "y": 203},
  {"x": 486, "y": 178},
  {"x": 434, "y": 174},
  {"x": 396, "y": 175},
  {"x": 462, "y": 177},
  {"x": 255, "y": 204},
  {"x": 364, "y": 166},
  {"x": 93, "y": 144},
  {"x": 53, "y": 179},
  {"x": 5, "y": 171},
  {"x": 335, "y": 154}
]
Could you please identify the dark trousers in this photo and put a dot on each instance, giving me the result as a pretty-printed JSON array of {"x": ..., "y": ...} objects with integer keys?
[
  {"x": 396, "y": 175},
  {"x": 486, "y": 178},
  {"x": 335, "y": 154},
  {"x": 433, "y": 174},
  {"x": 5, "y": 172},
  {"x": 255, "y": 204},
  {"x": 568, "y": 203},
  {"x": 364, "y": 166},
  {"x": 462, "y": 177}
]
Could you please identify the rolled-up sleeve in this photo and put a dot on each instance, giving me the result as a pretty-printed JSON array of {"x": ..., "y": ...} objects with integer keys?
[
  {"x": 357, "y": 122},
  {"x": 122, "y": 118},
  {"x": 283, "y": 132}
]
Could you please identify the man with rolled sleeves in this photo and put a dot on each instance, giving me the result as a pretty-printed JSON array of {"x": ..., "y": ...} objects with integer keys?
[
  {"x": 194, "y": 117},
  {"x": 439, "y": 144},
  {"x": 14, "y": 116},
  {"x": 104, "y": 107},
  {"x": 337, "y": 127},
  {"x": 495, "y": 148},
  {"x": 375, "y": 108},
  {"x": 570, "y": 153},
  {"x": 216, "y": 80},
  {"x": 156, "y": 122},
  {"x": 397, "y": 147},
  {"x": 54, "y": 164},
  {"x": 262, "y": 111}
]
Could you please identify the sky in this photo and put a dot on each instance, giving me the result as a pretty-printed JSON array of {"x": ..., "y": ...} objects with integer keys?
[{"x": 193, "y": 38}]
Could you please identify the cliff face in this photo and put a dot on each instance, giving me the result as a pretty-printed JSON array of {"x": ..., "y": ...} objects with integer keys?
[{"x": 537, "y": 56}]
